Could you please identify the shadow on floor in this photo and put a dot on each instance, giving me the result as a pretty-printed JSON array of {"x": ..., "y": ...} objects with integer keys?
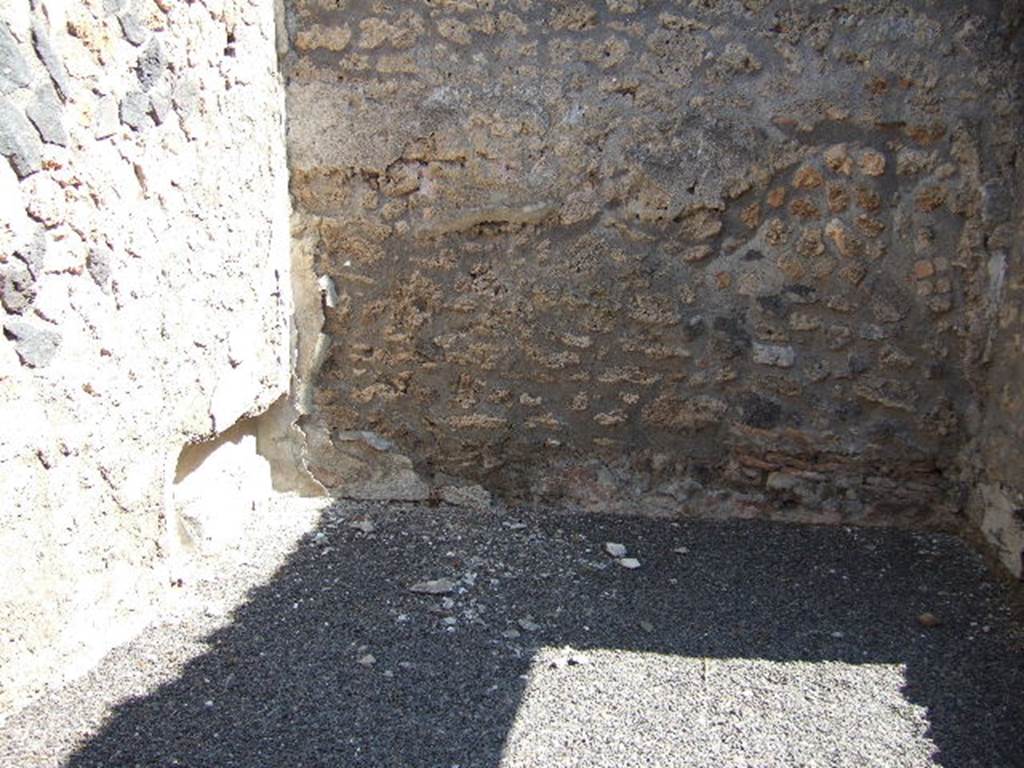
[{"x": 283, "y": 685}]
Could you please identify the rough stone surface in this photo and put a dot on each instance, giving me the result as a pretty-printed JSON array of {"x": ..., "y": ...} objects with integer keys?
[
  {"x": 44, "y": 111},
  {"x": 49, "y": 58},
  {"x": 144, "y": 280},
  {"x": 14, "y": 72},
  {"x": 646, "y": 256},
  {"x": 18, "y": 140},
  {"x": 17, "y": 287},
  {"x": 135, "y": 111},
  {"x": 35, "y": 343}
]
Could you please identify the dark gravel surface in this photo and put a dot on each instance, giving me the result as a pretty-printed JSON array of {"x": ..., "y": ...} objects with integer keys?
[{"x": 733, "y": 644}]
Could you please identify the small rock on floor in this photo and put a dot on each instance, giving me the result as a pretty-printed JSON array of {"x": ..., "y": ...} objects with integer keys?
[{"x": 433, "y": 587}]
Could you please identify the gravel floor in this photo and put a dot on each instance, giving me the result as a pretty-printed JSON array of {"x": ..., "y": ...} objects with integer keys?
[{"x": 732, "y": 644}]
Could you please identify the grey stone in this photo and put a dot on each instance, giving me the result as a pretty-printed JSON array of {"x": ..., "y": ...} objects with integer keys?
[
  {"x": 771, "y": 354},
  {"x": 54, "y": 66},
  {"x": 781, "y": 481},
  {"x": 14, "y": 72},
  {"x": 151, "y": 65},
  {"x": 134, "y": 111},
  {"x": 107, "y": 118},
  {"x": 372, "y": 439},
  {"x": 465, "y": 495},
  {"x": 34, "y": 253},
  {"x": 98, "y": 264},
  {"x": 872, "y": 332},
  {"x": 858, "y": 364},
  {"x": 17, "y": 286},
  {"x": 185, "y": 96},
  {"x": 629, "y": 562},
  {"x": 160, "y": 107},
  {"x": 615, "y": 549},
  {"x": 434, "y": 587},
  {"x": 18, "y": 141},
  {"x": 761, "y": 412},
  {"x": 113, "y": 7},
  {"x": 35, "y": 344},
  {"x": 45, "y": 113},
  {"x": 134, "y": 32},
  {"x": 996, "y": 202}
]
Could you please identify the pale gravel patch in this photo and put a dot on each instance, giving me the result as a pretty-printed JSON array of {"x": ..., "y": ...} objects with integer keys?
[{"x": 636, "y": 708}]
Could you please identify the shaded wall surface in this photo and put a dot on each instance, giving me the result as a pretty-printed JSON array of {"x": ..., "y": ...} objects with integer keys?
[
  {"x": 666, "y": 256},
  {"x": 994, "y": 458},
  {"x": 144, "y": 289}
]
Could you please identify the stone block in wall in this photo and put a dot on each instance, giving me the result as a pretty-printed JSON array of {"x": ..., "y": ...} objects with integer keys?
[
  {"x": 35, "y": 342},
  {"x": 362, "y": 465},
  {"x": 14, "y": 71},
  {"x": 19, "y": 142},
  {"x": 44, "y": 111}
]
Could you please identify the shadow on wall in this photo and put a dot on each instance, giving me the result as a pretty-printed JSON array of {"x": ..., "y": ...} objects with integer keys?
[{"x": 800, "y": 619}]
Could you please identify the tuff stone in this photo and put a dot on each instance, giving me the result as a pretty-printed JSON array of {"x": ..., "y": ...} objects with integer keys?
[{"x": 871, "y": 162}]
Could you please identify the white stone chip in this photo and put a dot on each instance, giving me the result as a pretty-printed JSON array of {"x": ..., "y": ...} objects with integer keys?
[{"x": 434, "y": 587}]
